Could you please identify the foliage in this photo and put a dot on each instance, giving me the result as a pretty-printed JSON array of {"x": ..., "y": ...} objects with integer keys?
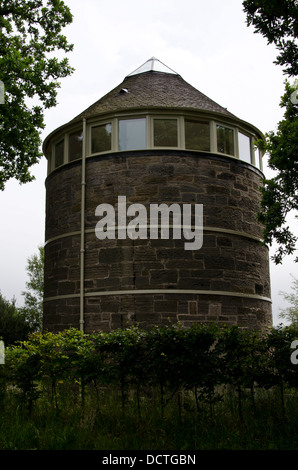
[
  {"x": 16, "y": 323},
  {"x": 33, "y": 298},
  {"x": 199, "y": 360},
  {"x": 278, "y": 369},
  {"x": 108, "y": 429},
  {"x": 81, "y": 391},
  {"x": 277, "y": 21},
  {"x": 121, "y": 354},
  {"x": 242, "y": 357},
  {"x": 279, "y": 194},
  {"x": 24, "y": 372},
  {"x": 185, "y": 359},
  {"x": 291, "y": 313},
  {"x": 30, "y": 32},
  {"x": 13, "y": 324}
]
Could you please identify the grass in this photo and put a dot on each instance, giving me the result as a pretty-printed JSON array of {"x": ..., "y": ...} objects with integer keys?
[{"x": 103, "y": 424}]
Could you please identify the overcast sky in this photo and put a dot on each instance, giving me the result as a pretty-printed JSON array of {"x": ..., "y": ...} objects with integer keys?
[{"x": 207, "y": 42}]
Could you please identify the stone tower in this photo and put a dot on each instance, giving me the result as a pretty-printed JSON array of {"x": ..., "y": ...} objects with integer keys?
[{"x": 152, "y": 140}]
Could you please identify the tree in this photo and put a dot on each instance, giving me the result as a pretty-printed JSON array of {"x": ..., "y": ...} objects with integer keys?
[
  {"x": 277, "y": 20},
  {"x": 33, "y": 298},
  {"x": 30, "y": 31},
  {"x": 13, "y": 325},
  {"x": 291, "y": 313},
  {"x": 279, "y": 194}
]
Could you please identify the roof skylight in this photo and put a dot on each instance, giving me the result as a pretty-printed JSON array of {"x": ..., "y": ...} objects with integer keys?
[{"x": 153, "y": 65}]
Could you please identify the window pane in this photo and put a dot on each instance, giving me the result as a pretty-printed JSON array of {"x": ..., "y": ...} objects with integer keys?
[
  {"x": 132, "y": 134},
  {"x": 197, "y": 135},
  {"x": 244, "y": 147},
  {"x": 101, "y": 138},
  {"x": 165, "y": 133},
  {"x": 59, "y": 153},
  {"x": 49, "y": 162},
  {"x": 75, "y": 141},
  {"x": 225, "y": 140},
  {"x": 257, "y": 158}
]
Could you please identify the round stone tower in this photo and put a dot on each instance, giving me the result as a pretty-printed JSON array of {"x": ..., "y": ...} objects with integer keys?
[{"x": 154, "y": 145}]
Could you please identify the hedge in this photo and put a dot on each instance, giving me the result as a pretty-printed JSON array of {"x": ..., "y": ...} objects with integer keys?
[{"x": 200, "y": 359}]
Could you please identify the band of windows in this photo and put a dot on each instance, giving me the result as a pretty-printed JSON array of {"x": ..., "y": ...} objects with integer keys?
[{"x": 157, "y": 132}]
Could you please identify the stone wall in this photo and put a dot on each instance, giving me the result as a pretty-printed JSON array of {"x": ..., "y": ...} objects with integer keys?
[{"x": 229, "y": 274}]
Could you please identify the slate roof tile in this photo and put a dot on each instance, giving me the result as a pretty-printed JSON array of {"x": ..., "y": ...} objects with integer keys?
[{"x": 153, "y": 90}]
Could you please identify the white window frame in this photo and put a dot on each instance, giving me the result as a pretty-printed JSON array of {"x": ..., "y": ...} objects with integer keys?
[
  {"x": 235, "y": 139},
  {"x": 179, "y": 131},
  {"x": 131, "y": 118},
  {"x": 260, "y": 164},
  {"x": 241, "y": 131},
  {"x": 73, "y": 131},
  {"x": 63, "y": 137},
  {"x": 89, "y": 135},
  {"x": 149, "y": 116},
  {"x": 201, "y": 121}
]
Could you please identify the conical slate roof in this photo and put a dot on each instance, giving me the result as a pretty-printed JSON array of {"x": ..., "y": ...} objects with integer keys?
[{"x": 153, "y": 85}]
